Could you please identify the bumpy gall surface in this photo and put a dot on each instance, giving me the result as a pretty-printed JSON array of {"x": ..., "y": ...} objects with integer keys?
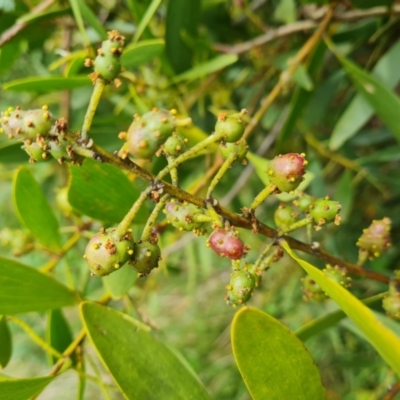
[
  {"x": 284, "y": 216},
  {"x": 146, "y": 257},
  {"x": 105, "y": 253},
  {"x": 231, "y": 126},
  {"x": 240, "y": 148},
  {"x": 175, "y": 145},
  {"x": 286, "y": 171},
  {"x": 375, "y": 239},
  {"x": 181, "y": 215},
  {"x": 240, "y": 288},
  {"x": 227, "y": 244},
  {"x": 325, "y": 210},
  {"x": 391, "y": 304}
]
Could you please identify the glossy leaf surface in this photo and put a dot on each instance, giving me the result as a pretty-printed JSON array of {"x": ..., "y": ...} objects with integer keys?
[
  {"x": 386, "y": 343},
  {"x": 142, "y": 367},
  {"x": 24, "y": 289},
  {"x": 47, "y": 84},
  {"x": 22, "y": 389},
  {"x": 273, "y": 362},
  {"x": 102, "y": 191},
  {"x": 34, "y": 210}
]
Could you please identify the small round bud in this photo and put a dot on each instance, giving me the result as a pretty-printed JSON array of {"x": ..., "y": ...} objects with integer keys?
[
  {"x": 286, "y": 171},
  {"x": 226, "y": 243},
  {"x": 375, "y": 239},
  {"x": 284, "y": 216},
  {"x": 324, "y": 211},
  {"x": 240, "y": 288},
  {"x": 146, "y": 257},
  {"x": 231, "y": 126},
  {"x": 240, "y": 148}
]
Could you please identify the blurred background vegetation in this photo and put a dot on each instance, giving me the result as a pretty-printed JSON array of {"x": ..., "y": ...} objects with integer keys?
[{"x": 201, "y": 57}]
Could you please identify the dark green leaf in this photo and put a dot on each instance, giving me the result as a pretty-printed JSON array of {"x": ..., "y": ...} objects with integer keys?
[
  {"x": 385, "y": 103},
  {"x": 344, "y": 194},
  {"x": 24, "y": 289},
  {"x": 47, "y": 84},
  {"x": 386, "y": 343},
  {"x": 359, "y": 111},
  {"x": 142, "y": 367},
  {"x": 182, "y": 18},
  {"x": 59, "y": 333},
  {"x": 142, "y": 52},
  {"x": 34, "y": 210},
  {"x": 273, "y": 362},
  {"x": 103, "y": 192},
  {"x": 12, "y": 153},
  {"x": 148, "y": 15},
  {"x": 22, "y": 389},
  {"x": 6, "y": 342}
]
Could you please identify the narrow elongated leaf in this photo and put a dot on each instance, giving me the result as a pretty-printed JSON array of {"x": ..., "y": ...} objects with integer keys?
[
  {"x": 207, "y": 68},
  {"x": 24, "y": 289},
  {"x": 76, "y": 9},
  {"x": 6, "y": 342},
  {"x": 119, "y": 282},
  {"x": 91, "y": 19},
  {"x": 148, "y": 15},
  {"x": 182, "y": 19},
  {"x": 142, "y": 367},
  {"x": 22, "y": 389},
  {"x": 326, "y": 321},
  {"x": 344, "y": 194},
  {"x": 359, "y": 111},
  {"x": 142, "y": 52},
  {"x": 384, "y": 102},
  {"x": 59, "y": 333},
  {"x": 273, "y": 362},
  {"x": 386, "y": 343},
  {"x": 34, "y": 210},
  {"x": 102, "y": 191},
  {"x": 47, "y": 84}
]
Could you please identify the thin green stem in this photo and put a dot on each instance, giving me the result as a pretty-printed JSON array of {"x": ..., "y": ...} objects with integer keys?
[
  {"x": 263, "y": 255},
  {"x": 262, "y": 196},
  {"x": 125, "y": 224},
  {"x": 214, "y": 215},
  {"x": 35, "y": 337},
  {"x": 94, "y": 102},
  {"x": 221, "y": 172},
  {"x": 294, "y": 226},
  {"x": 153, "y": 217},
  {"x": 173, "y": 172}
]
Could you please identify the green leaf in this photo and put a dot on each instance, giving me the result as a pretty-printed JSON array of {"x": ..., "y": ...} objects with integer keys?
[
  {"x": 34, "y": 211},
  {"x": 386, "y": 343},
  {"x": 328, "y": 320},
  {"x": 302, "y": 78},
  {"x": 344, "y": 194},
  {"x": 273, "y": 362},
  {"x": 47, "y": 84},
  {"x": 59, "y": 333},
  {"x": 142, "y": 367},
  {"x": 22, "y": 389},
  {"x": 91, "y": 19},
  {"x": 6, "y": 342},
  {"x": 76, "y": 9},
  {"x": 182, "y": 19},
  {"x": 12, "y": 153},
  {"x": 359, "y": 111},
  {"x": 142, "y": 53},
  {"x": 385, "y": 103},
  {"x": 24, "y": 289},
  {"x": 146, "y": 19},
  {"x": 102, "y": 192},
  {"x": 207, "y": 68},
  {"x": 120, "y": 281}
]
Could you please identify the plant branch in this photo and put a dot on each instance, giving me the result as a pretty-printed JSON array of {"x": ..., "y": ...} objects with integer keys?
[
  {"x": 285, "y": 75},
  {"x": 238, "y": 220},
  {"x": 300, "y": 26},
  {"x": 22, "y": 23}
]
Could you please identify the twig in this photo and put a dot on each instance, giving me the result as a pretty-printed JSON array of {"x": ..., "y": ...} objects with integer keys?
[
  {"x": 393, "y": 391},
  {"x": 19, "y": 26},
  {"x": 297, "y": 60},
  {"x": 305, "y": 25},
  {"x": 236, "y": 219}
]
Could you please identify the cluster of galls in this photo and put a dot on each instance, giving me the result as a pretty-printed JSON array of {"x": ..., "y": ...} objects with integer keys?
[
  {"x": 106, "y": 252},
  {"x": 107, "y": 64},
  {"x": 391, "y": 303},
  {"x": 43, "y": 136},
  {"x": 151, "y": 134},
  {"x": 312, "y": 291}
]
